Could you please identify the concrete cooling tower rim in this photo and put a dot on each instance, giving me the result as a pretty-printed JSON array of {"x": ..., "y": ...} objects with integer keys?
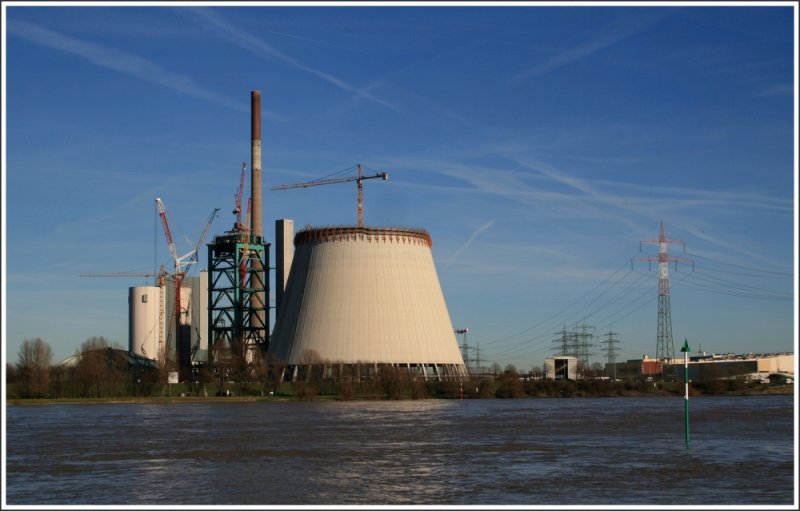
[
  {"x": 309, "y": 235},
  {"x": 360, "y": 295}
]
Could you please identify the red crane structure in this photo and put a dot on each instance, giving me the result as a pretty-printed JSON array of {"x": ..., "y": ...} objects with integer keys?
[{"x": 182, "y": 265}]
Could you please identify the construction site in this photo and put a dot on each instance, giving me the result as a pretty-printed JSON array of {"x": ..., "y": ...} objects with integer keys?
[
  {"x": 347, "y": 298},
  {"x": 349, "y": 301}
]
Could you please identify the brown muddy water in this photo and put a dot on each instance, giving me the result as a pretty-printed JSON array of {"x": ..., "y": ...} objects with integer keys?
[{"x": 523, "y": 452}]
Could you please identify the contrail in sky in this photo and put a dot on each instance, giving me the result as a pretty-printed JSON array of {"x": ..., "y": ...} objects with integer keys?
[
  {"x": 261, "y": 48},
  {"x": 117, "y": 60},
  {"x": 470, "y": 240},
  {"x": 619, "y": 31}
]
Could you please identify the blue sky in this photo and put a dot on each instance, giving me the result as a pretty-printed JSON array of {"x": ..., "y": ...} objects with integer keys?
[{"x": 537, "y": 144}]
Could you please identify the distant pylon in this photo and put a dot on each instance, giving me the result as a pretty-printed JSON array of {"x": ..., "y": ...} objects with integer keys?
[
  {"x": 464, "y": 346},
  {"x": 575, "y": 343},
  {"x": 611, "y": 351},
  {"x": 582, "y": 344},
  {"x": 665, "y": 349}
]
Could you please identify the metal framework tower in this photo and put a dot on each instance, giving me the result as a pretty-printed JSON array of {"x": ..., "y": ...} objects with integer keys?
[
  {"x": 238, "y": 269},
  {"x": 611, "y": 351},
  {"x": 575, "y": 343},
  {"x": 236, "y": 288},
  {"x": 665, "y": 349},
  {"x": 582, "y": 337},
  {"x": 564, "y": 342}
]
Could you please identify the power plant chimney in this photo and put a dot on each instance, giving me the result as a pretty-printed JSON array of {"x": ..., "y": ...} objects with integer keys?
[
  {"x": 255, "y": 162},
  {"x": 258, "y": 300}
]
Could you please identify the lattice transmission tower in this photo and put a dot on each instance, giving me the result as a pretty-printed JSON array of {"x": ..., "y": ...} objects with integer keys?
[
  {"x": 575, "y": 343},
  {"x": 665, "y": 349},
  {"x": 611, "y": 351}
]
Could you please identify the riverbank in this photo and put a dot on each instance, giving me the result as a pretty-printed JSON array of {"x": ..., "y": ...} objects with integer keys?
[{"x": 288, "y": 395}]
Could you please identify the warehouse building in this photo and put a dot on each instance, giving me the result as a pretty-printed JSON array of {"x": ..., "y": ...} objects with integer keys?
[{"x": 707, "y": 367}]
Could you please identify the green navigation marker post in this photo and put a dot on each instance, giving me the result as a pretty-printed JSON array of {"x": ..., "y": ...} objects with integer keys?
[{"x": 686, "y": 351}]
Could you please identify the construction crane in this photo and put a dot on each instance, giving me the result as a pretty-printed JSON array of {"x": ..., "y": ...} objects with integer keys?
[
  {"x": 237, "y": 210},
  {"x": 182, "y": 265},
  {"x": 245, "y": 229},
  {"x": 183, "y": 262},
  {"x": 358, "y": 179},
  {"x": 161, "y": 274}
]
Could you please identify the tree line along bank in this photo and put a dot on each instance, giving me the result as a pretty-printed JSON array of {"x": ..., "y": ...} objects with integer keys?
[{"x": 101, "y": 371}]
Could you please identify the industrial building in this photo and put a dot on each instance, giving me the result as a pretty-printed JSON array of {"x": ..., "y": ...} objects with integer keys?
[
  {"x": 561, "y": 368},
  {"x": 750, "y": 366},
  {"x": 151, "y": 326},
  {"x": 707, "y": 367},
  {"x": 345, "y": 296}
]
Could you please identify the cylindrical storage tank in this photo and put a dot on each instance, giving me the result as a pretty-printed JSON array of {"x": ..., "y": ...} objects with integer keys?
[
  {"x": 143, "y": 321},
  {"x": 365, "y": 295}
]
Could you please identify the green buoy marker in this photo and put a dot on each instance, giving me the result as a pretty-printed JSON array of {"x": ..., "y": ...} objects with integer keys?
[{"x": 686, "y": 351}]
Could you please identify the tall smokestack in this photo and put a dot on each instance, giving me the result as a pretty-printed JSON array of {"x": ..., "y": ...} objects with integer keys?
[
  {"x": 258, "y": 300},
  {"x": 255, "y": 162}
]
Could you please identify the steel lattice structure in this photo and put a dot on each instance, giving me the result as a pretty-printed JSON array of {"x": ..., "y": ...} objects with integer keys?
[
  {"x": 665, "y": 348},
  {"x": 237, "y": 285}
]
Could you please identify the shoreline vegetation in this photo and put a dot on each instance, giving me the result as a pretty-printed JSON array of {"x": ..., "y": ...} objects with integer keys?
[
  {"x": 485, "y": 388},
  {"x": 103, "y": 374}
]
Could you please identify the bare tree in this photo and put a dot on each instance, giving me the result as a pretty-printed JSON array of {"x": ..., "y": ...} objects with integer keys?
[
  {"x": 393, "y": 381},
  {"x": 11, "y": 373},
  {"x": 268, "y": 372},
  {"x": 487, "y": 388},
  {"x": 33, "y": 363},
  {"x": 309, "y": 377}
]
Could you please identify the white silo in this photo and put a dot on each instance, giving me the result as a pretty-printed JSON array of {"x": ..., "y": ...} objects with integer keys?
[
  {"x": 144, "y": 325},
  {"x": 365, "y": 295}
]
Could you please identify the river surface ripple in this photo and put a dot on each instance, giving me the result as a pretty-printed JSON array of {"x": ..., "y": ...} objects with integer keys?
[{"x": 571, "y": 451}]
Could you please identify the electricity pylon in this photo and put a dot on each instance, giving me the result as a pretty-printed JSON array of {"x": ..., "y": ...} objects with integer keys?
[
  {"x": 611, "y": 351},
  {"x": 665, "y": 349}
]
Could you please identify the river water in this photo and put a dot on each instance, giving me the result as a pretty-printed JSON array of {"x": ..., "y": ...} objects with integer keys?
[{"x": 532, "y": 452}]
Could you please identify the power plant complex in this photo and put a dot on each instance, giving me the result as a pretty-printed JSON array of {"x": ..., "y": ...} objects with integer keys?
[
  {"x": 352, "y": 299},
  {"x": 345, "y": 295}
]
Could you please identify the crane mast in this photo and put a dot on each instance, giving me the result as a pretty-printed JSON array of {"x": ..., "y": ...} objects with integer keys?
[
  {"x": 182, "y": 265},
  {"x": 237, "y": 210},
  {"x": 162, "y": 212},
  {"x": 360, "y": 188}
]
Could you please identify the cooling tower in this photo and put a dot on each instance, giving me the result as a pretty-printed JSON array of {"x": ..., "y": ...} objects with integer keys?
[{"x": 365, "y": 295}]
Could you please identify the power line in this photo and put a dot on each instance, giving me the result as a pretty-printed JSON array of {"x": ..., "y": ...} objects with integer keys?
[
  {"x": 620, "y": 289},
  {"x": 754, "y": 270},
  {"x": 555, "y": 315}
]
